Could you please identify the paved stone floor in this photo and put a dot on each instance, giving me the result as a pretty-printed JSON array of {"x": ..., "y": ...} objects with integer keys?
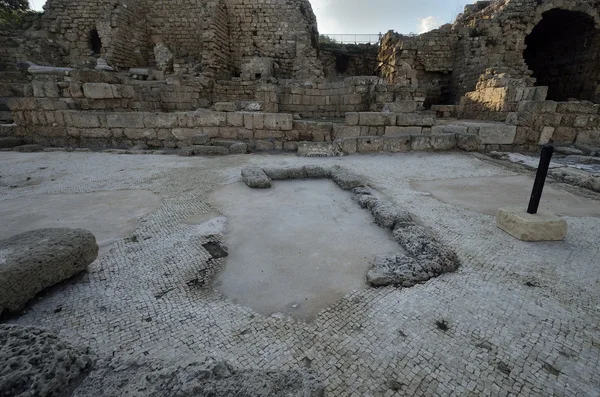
[{"x": 522, "y": 318}]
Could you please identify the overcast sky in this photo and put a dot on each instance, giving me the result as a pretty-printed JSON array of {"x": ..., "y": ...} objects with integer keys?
[{"x": 374, "y": 16}]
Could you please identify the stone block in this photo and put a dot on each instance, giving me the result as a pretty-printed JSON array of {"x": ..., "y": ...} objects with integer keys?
[
  {"x": 442, "y": 142},
  {"x": 497, "y": 134},
  {"x": 401, "y": 131},
  {"x": 201, "y": 150},
  {"x": 228, "y": 132},
  {"x": 258, "y": 121},
  {"x": 226, "y": 107},
  {"x": 140, "y": 133},
  {"x": 420, "y": 143},
  {"x": 468, "y": 142},
  {"x": 278, "y": 121},
  {"x": 185, "y": 134},
  {"x": 235, "y": 119},
  {"x": 201, "y": 139},
  {"x": 238, "y": 148},
  {"x": 563, "y": 134},
  {"x": 590, "y": 137},
  {"x": 268, "y": 134},
  {"x": 537, "y": 106},
  {"x": 347, "y": 145},
  {"x": 207, "y": 118},
  {"x": 125, "y": 120},
  {"x": 583, "y": 107},
  {"x": 527, "y": 227},
  {"x": 397, "y": 144},
  {"x": 400, "y": 107},
  {"x": 98, "y": 91},
  {"x": 84, "y": 120},
  {"x": 546, "y": 135},
  {"x": 449, "y": 129},
  {"x": 352, "y": 118},
  {"x": 415, "y": 119},
  {"x": 160, "y": 120},
  {"x": 376, "y": 119},
  {"x": 369, "y": 144},
  {"x": 342, "y": 131}
]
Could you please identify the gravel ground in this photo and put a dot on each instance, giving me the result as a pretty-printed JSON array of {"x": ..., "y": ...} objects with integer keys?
[{"x": 516, "y": 318}]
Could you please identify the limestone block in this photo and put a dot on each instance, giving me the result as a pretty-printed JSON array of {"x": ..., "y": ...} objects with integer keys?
[
  {"x": 590, "y": 137},
  {"x": 160, "y": 120},
  {"x": 415, "y": 119},
  {"x": 278, "y": 121},
  {"x": 369, "y": 144},
  {"x": 442, "y": 142},
  {"x": 84, "y": 120},
  {"x": 352, "y": 118},
  {"x": 497, "y": 134},
  {"x": 376, "y": 119},
  {"x": 563, "y": 134},
  {"x": 125, "y": 120},
  {"x": 35, "y": 260},
  {"x": 140, "y": 133},
  {"x": 202, "y": 150},
  {"x": 420, "y": 143},
  {"x": 235, "y": 119},
  {"x": 400, "y": 107},
  {"x": 238, "y": 148},
  {"x": 401, "y": 131},
  {"x": 468, "y": 142},
  {"x": 343, "y": 131},
  {"x": 527, "y": 227},
  {"x": 583, "y": 107},
  {"x": 258, "y": 121},
  {"x": 201, "y": 139},
  {"x": 546, "y": 135},
  {"x": 207, "y": 118},
  {"x": 537, "y": 106},
  {"x": 268, "y": 134},
  {"x": 185, "y": 134},
  {"x": 397, "y": 144},
  {"x": 98, "y": 91},
  {"x": 226, "y": 107},
  {"x": 347, "y": 145},
  {"x": 449, "y": 129}
]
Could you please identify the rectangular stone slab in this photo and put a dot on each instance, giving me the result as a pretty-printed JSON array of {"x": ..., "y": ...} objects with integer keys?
[{"x": 527, "y": 227}]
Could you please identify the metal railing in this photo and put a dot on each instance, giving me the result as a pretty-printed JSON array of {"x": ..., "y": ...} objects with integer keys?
[
  {"x": 350, "y": 38},
  {"x": 354, "y": 38}
]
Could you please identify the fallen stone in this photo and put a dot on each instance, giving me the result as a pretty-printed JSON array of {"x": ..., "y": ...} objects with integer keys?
[
  {"x": 238, "y": 148},
  {"x": 255, "y": 178},
  {"x": 35, "y": 260},
  {"x": 29, "y": 148},
  {"x": 36, "y": 362},
  {"x": 531, "y": 227},
  {"x": 398, "y": 269},
  {"x": 183, "y": 377},
  {"x": 276, "y": 173},
  {"x": 419, "y": 242},
  {"x": 345, "y": 179},
  {"x": 226, "y": 107}
]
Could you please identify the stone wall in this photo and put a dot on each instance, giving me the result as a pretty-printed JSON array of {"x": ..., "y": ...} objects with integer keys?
[{"x": 343, "y": 60}]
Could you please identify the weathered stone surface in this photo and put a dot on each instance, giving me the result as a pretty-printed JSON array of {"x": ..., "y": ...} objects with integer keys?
[
  {"x": 200, "y": 139},
  {"x": 352, "y": 118},
  {"x": 343, "y": 131},
  {"x": 204, "y": 150},
  {"x": 527, "y": 227},
  {"x": 36, "y": 362},
  {"x": 369, "y": 144},
  {"x": 376, "y": 119},
  {"x": 35, "y": 260},
  {"x": 98, "y": 91},
  {"x": 398, "y": 269},
  {"x": 8, "y": 142},
  {"x": 184, "y": 377},
  {"x": 589, "y": 137},
  {"x": 449, "y": 129},
  {"x": 29, "y": 148},
  {"x": 402, "y": 131},
  {"x": 238, "y": 148},
  {"x": 278, "y": 121},
  {"x": 415, "y": 119},
  {"x": 397, "y": 144},
  {"x": 420, "y": 143},
  {"x": 255, "y": 177},
  {"x": 491, "y": 134},
  {"x": 537, "y": 106},
  {"x": 318, "y": 149},
  {"x": 468, "y": 142},
  {"x": 277, "y": 173},
  {"x": 315, "y": 171},
  {"x": 400, "y": 107},
  {"x": 164, "y": 57},
  {"x": 226, "y": 107},
  {"x": 345, "y": 179},
  {"x": 387, "y": 214},
  {"x": 441, "y": 142},
  {"x": 347, "y": 145}
]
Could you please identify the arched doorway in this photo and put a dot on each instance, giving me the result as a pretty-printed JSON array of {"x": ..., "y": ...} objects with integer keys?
[{"x": 563, "y": 52}]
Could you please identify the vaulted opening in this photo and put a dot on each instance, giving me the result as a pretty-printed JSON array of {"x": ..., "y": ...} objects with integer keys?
[
  {"x": 95, "y": 42},
  {"x": 563, "y": 54}
]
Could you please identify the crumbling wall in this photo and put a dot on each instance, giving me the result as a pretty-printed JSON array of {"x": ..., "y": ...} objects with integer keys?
[
  {"x": 284, "y": 30},
  {"x": 216, "y": 54},
  {"x": 343, "y": 60}
]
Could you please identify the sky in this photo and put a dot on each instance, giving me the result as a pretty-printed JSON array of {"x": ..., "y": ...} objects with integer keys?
[{"x": 375, "y": 16}]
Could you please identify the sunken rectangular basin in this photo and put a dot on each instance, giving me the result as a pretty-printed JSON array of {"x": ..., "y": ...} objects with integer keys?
[{"x": 296, "y": 248}]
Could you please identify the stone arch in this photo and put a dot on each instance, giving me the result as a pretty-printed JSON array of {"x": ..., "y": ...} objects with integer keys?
[{"x": 562, "y": 50}]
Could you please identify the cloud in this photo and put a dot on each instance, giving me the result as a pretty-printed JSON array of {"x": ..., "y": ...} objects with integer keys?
[{"x": 429, "y": 23}]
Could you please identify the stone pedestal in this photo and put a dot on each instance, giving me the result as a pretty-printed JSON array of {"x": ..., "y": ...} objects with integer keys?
[{"x": 539, "y": 227}]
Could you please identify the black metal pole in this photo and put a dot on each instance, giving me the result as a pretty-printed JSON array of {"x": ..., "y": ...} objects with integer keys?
[{"x": 540, "y": 178}]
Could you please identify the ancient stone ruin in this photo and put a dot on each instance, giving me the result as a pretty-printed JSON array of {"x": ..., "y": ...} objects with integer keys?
[{"x": 506, "y": 75}]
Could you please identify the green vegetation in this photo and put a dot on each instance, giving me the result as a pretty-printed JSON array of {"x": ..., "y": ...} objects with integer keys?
[{"x": 15, "y": 13}]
